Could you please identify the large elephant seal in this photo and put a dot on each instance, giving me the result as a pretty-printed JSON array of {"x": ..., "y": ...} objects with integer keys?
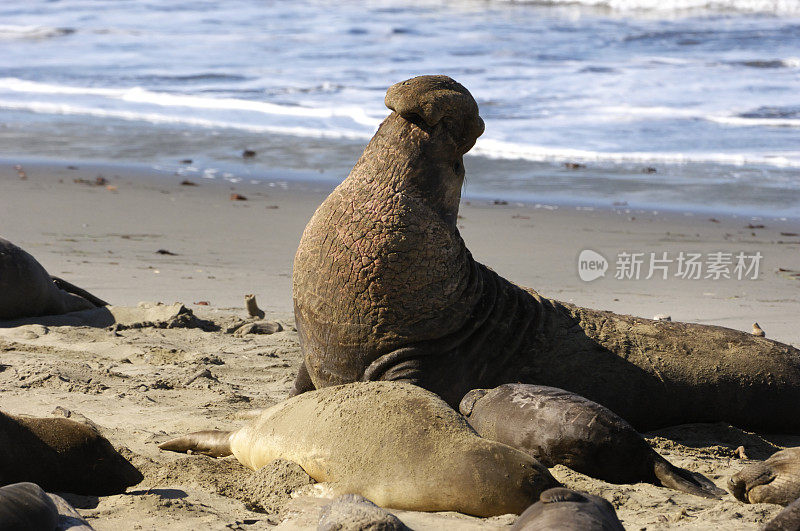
[
  {"x": 385, "y": 289},
  {"x": 568, "y": 510},
  {"x": 776, "y": 480},
  {"x": 787, "y": 520},
  {"x": 393, "y": 443},
  {"x": 27, "y": 290},
  {"x": 25, "y": 506},
  {"x": 558, "y": 427},
  {"x": 61, "y": 455}
]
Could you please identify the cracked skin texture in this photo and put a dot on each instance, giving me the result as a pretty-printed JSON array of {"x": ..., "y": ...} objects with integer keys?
[{"x": 385, "y": 289}]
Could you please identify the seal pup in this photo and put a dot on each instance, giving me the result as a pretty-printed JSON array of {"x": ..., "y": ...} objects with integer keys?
[
  {"x": 393, "y": 443},
  {"x": 27, "y": 290},
  {"x": 776, "y": 480},
  {"x": 385, "y": 288},
  {"x": 568, "y": 510},
  {"x": 787, "y": 520},
  {"x": 558, "y": 427},
  {"x": 61, "y": 455}
]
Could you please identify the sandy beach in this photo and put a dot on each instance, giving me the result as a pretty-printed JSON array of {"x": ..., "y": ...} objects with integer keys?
[{"x": 132, "y": 234}]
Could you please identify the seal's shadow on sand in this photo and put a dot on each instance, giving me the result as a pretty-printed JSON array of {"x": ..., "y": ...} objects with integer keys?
[
  {"x": 95, "y": 317},
  {"x": 164, "y": 494},
  {"x": 143, "y": 315}
]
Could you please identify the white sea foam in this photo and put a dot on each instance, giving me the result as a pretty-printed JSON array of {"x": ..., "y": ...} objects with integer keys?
[
  {"x": 8, "y": 32},
  {"x": 508, "y": 150},
  {"x": 745, "y": 6},
  {"x": 159, "y": 118},
  {"x": 623, "y": 113},
  {"x": 140, "y": 95}
]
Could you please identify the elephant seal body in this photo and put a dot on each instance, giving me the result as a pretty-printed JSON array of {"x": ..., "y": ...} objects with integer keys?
[
  {"x": 385, "y": 289},
  {"x": 393, "y": 443},
  {"x": 776, "y": 480},
  {"x": 558, "y": 427},
  {"x": 61, "y": 455},
  {"x": 569, "y": 510},
  {"x": 27, "y": 290},
  {"x": 787, "y": 520}
]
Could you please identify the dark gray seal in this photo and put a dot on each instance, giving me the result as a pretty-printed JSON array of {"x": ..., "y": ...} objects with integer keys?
[
  {"x": 558, "y": 427},
  {"x": 25, "y": 506},
  {"x": 27, "y": 290},
  {"x": 61, "y": 455},
  {"x": 776, "y": 480},
  {"x": 568, "y": 510},
  {"x": 385, "y": 289}
]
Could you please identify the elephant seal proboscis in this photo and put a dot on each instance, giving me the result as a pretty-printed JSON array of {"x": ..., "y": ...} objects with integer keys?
[
  {"x": 385, "y": 289},
  {"x": 569, "y": 510},
  {"x": 558, "y": 427},
  {"x": 776, "y": 480},
  {"x": 61, "y": 455},
  {"x": 787, "y": 520},
  {"x": 27, "y": 290},
  {"x": 25, "y": 506},
  {"x": 393, "y": 443}
]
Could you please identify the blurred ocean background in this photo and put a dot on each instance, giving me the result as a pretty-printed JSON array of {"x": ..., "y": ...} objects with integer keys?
[{"x": 672, "y": 104}]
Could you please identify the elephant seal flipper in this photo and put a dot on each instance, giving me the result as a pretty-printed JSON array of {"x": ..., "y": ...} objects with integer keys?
[
  {"x": 776, "y": 480},
  {"x": 80, "y": 292},
  {"x": 677, "y": 478},
  {"x": 559, "y": 427},
  {"x": 213, "y": 443}
]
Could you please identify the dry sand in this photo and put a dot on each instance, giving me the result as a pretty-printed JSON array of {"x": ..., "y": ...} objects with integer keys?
[{"x": 157, "y": 376}]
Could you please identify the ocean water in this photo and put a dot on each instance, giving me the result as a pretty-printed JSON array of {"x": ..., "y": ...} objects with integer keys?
[{"x": 685, "y": 104}]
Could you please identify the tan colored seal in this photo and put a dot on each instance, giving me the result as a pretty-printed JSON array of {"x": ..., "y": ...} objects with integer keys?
[{"x": 393, "y": 443}]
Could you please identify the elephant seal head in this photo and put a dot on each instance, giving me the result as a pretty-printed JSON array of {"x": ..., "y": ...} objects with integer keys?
[
  {"x": 430, "y": 101},
  {"x": 419, "y": 148}
]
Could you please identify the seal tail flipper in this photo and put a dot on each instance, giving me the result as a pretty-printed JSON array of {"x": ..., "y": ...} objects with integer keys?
[
  {"x": 213, "y": 443},
  {"x": 75, "y": 290},
  {"x": 683, "y": 480}
]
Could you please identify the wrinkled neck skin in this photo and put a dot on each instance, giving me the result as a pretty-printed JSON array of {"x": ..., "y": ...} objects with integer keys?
[
  {"x": 412, "y": 162},
  {"x": 381, "y": 263},
  {"x": 384, "y": 286}
]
